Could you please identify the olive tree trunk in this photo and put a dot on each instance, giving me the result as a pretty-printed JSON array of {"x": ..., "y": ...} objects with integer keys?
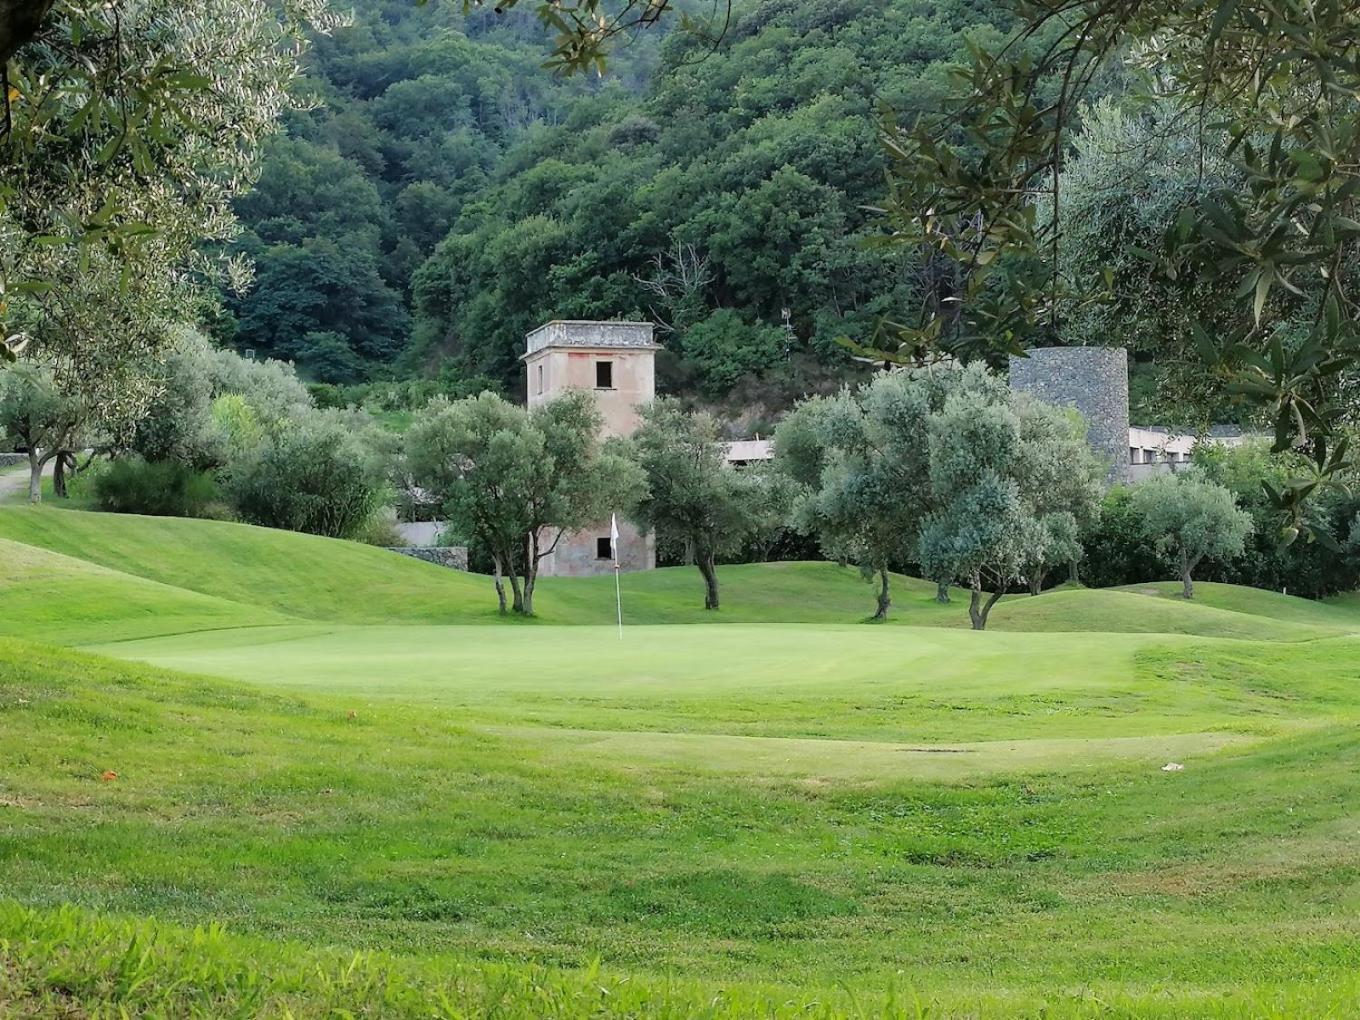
[
  {"x": 704, "y": 561},
  {"x": 1187, "y": 582},
  {"x": 942, "y": 592},
  {"x": 35, "y": 469},
  {"x": 884, "y": 599},
  {"x": 19, "y": 22},
  {"x": 978, "y": 607},
  {"x": 64, "y": 462},
  {"x": 498, "y": 576}
]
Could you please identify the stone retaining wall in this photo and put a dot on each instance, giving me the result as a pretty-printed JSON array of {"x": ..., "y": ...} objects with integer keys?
[
  {"x": 455, "y": 557},
  {"x": 9, "y": 460}
]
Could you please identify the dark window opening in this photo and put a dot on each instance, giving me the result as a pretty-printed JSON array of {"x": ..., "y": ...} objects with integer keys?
[
  {"x": 604, "y": 375},
  {"x": 603, "y": 549}
]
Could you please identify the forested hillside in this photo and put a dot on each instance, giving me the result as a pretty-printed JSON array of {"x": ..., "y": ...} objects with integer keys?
[{"x": 447, "y": 193}]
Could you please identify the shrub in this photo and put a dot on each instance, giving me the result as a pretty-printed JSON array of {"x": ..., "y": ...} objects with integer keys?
[
  {"x": 309, "y": 477},
  {"x": 157, "y": 488},
  {"x": 725, "y": 349},
  {"x": 380, "y": 530}
]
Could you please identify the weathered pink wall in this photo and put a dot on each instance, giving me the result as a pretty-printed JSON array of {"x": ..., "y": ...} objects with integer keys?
[{"x": 562, "y": 356}]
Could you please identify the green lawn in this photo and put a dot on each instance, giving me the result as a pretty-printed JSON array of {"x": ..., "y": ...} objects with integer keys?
[{"x": 814, "y": 817}]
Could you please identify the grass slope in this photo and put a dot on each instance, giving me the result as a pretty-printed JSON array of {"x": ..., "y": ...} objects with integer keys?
[
  {"x": 65, "y": 600},
  {"x": 314, "y": 578},
  {"x": 323, "y": 580},
  {"x": 1130, "y": 612},
  {"x": 1256, "y": 602},
  {"x": 424, "y": 826}
]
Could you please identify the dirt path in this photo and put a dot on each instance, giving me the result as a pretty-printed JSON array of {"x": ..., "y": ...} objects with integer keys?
[{"x": 14, "y": 483}]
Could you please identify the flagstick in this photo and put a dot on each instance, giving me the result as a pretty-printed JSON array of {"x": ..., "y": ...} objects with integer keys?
[{"x": 618, "y": 598}]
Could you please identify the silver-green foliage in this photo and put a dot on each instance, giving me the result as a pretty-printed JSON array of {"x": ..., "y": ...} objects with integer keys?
[
  {"x": 693, "y": 496},
  {"x": 131, "y": 128},
  {"x": 516, "y": 479},
  {"x": 1188, "y": 518},
  {"x": 861, "y": 460},
  {"x": 946, "y": 467},
  {"x": 1012, "y": 481}
]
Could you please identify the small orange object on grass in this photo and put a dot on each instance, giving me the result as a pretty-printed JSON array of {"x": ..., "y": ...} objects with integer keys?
[{"x": 108, "y": 776}]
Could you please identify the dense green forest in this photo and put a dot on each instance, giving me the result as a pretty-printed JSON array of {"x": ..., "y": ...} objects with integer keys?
[{"x": 445, "y": 193}]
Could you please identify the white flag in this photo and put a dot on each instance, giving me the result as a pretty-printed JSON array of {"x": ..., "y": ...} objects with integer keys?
[{"x": 614, "y": 536}]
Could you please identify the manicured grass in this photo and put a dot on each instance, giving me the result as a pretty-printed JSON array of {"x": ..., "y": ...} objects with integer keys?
[
  {"x": 1216, "y": 615},
  {"x": 317, "y": 579},
  {"x": 893, "y": 684},
  {"x": 69, "y": 601},
  {"x": 314, "y": 578},
  {"x": 1272, "y": 604},
  {"x": 325, "y": 749},
  {"x": 1020, "y": 875}
]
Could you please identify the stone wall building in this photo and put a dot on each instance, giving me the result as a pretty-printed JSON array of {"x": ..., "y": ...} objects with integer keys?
[
  {"x": 1095, "y": 381},
  {"x": 616, "y": 363}
]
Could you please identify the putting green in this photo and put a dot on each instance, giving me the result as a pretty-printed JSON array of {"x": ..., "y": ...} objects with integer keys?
[{"x": 892, "y": 685}]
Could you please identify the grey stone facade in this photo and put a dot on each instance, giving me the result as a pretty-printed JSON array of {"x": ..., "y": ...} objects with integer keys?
[
  {"x": 1095, "y": 381},
  {"x": 455, "y": 557}
]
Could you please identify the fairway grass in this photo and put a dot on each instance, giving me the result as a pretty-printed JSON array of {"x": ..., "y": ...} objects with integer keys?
[{"x": 378, "y": 798}]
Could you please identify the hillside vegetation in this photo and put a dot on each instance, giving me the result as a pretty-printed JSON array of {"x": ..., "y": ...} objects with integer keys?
[{"x": 447, "y": 194}]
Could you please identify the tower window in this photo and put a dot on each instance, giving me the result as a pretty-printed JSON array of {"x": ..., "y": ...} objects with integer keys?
[
  {"x": 602, "y": 549},
  {"x": 540, "y": 378},
  {"x": 604, "y": 375}
]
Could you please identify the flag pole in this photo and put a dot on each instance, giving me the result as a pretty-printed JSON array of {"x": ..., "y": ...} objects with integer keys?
[{"x": 614, "y": 548}]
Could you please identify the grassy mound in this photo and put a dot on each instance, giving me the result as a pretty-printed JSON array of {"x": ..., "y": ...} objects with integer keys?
[
  {"x": 321, "y": 579},
  {"x": 66, "y": 600},
  {"x": 1257, "y": 602},
  {"x": 1230, "y": 614},
  {"x": 273, "y": 572},
  {"x": 301, "y": 575},
  {"x": 751, "y": 593}
]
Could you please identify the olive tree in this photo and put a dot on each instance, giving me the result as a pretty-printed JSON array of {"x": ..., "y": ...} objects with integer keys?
[
  {"x": 38, "y": 416},
  {"x": 861, "y": 461},
  {"x": 518, "y": 479},
  {"x": 693, "y": 495},
  {"x": 1061, "y": 479},
  {"x": 1009, "y": 479},
  {"x": 981, "y": 533},
  {"x": 1187, "y": 519},
  {"x": 128, "y": 130}
]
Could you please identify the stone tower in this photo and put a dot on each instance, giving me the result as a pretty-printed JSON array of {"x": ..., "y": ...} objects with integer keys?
[
  {"x": 1095, "y": 381},
  {"x": 615, "y": 363}
]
